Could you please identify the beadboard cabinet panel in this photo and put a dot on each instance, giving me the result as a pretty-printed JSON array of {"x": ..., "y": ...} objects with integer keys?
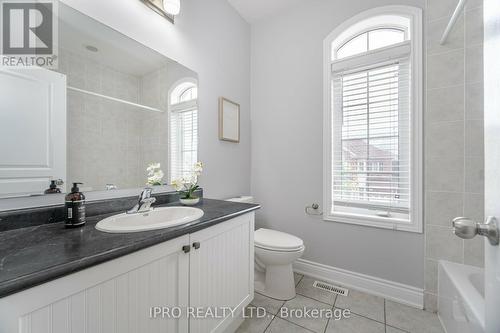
[
  {"x": 221, "y": 271},
  {"x": 114, "y": 297}
]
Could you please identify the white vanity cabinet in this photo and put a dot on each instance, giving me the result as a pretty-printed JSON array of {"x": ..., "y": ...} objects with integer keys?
[
  {"x": 117, "y": 296},
  {"x": 221, "y": 271}
]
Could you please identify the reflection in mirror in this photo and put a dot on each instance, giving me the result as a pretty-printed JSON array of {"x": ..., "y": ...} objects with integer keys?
[
  {"x": 127, "y": 108},
  {"x": 183, "y": 128}
]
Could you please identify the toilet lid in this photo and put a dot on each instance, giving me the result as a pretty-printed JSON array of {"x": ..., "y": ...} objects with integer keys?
[{"x": 272, "y": 239}]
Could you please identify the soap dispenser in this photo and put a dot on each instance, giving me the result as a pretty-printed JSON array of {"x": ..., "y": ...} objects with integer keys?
[
  {"x": 52, "y": 188},
  {"x": 75, "y": 207}
]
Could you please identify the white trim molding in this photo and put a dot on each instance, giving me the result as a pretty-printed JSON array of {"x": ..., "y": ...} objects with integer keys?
[
  {"x": 387, "y": 289},
  {"x": 377, "y": 17}
]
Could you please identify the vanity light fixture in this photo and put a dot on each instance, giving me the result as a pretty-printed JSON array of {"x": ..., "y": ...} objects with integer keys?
[
  {"x": 172, "y": 7},
  {"x": 166, "y": 8}
]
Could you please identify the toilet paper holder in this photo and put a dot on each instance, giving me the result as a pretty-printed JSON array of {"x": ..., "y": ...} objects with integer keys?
[{"x": 314, "y": 207}]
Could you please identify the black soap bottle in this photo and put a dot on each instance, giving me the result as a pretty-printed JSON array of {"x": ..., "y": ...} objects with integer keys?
[
  {"x": 75, "y": 207},
  {"x": 52, "y": 188}
]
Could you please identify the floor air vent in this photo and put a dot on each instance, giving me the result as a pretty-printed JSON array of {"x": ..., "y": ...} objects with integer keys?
[{"x": 331, "y": 288}]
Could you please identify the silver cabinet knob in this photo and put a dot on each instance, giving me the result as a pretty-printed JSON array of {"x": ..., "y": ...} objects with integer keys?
[{"x": 466, "y": 228}]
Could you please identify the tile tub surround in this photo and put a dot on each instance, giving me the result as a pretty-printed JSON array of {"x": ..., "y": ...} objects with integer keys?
[
  {"x": 34, "y": 255},
  {"x": 22, "y": 218},
  {"x": 454, "y": 155},
  {"x": 390, "y": 317}
]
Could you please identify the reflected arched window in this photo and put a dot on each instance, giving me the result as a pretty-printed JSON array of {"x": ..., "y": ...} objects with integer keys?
[
  {"x": 183, "y": 110},
  {"x": 189, "y": 94},
  {"x": 183, "y": 92}
]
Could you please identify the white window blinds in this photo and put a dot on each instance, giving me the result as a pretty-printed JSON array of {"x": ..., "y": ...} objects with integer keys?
[
  {"x": 183, "y": 141},
  {"x": 371, "y": 140}
]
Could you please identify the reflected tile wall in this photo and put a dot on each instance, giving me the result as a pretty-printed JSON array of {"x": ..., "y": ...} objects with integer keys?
[{"x": 111, "y": 142}]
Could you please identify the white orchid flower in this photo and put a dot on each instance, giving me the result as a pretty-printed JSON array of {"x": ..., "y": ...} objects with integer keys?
[
  {"x": 198, "y": 168},
  {"x": 188, "y": 184},
  {"x": 155, "y": 174},
  {"x": 153, "y": 167},
  {"x": 178, "y": 184}
]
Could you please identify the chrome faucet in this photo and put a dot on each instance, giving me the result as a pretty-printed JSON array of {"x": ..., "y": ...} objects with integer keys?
[
  {"x": 110, "y": 187},
  {"x": 145, "y": 202}
]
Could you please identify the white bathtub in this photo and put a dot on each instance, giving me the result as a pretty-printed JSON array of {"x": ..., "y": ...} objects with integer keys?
[{"x": 461, "y": 298}]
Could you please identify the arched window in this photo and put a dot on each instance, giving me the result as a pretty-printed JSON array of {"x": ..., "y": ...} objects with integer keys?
[
  {"x": 183, "y": 108},
  {"x": 373, "y": 115},
  {"x": 371, "y": 40}
]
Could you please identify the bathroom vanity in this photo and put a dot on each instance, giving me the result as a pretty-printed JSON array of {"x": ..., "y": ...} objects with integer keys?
[{"x": 83, "y": 280}]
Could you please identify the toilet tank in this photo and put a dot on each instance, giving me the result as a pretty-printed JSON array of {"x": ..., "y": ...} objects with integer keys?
[{"x": 244, "y": 199}]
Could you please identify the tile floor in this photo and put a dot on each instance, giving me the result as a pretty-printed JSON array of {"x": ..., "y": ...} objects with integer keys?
[{"x": 369, "y": 314}]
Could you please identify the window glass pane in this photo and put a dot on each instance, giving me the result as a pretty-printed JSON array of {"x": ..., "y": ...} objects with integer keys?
[
  {"x": 185, "y": 91},
  {"x": 183, "y": 142},
  {"x": 371, "y": 40},
  {"x": 370, "y": 169},
  {"x": 384, "y": 37},
  {"x": 183, "y": 130},
  {"x": 356, "y": 45},
  {"x": 188, "y": 94}
]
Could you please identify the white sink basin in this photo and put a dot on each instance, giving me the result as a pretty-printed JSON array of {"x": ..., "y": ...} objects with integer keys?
[{"x": 158, "y": 218}]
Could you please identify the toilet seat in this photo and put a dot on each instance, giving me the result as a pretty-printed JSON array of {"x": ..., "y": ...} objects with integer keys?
[
  {"x": 273, "y": 240},
  {"x": 276, "y": 249}
]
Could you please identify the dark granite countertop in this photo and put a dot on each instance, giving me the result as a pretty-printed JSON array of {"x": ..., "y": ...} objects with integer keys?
[{"x": 34, "y": 255}]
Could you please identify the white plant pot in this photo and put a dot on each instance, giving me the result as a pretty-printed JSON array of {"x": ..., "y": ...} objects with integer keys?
[{"x": 189, "y": 202}]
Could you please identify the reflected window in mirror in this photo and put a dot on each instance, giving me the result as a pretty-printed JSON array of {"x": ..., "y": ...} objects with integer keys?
[{"x": 183, "y": 128}]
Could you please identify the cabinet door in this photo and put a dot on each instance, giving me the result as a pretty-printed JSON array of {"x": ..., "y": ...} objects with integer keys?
[
  {"x": 114, "y": 297},
  {"x": 221, "y": 271},
  {"x": 32, "y": 130}
]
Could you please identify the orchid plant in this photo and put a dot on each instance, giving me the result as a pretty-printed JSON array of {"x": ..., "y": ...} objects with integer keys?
[
  {"x": 155, "y": 174},
  {"x": 187, "y": 185}
]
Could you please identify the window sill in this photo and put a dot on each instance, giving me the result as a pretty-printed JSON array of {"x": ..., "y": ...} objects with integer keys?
[{"x": 375, "y": 222}]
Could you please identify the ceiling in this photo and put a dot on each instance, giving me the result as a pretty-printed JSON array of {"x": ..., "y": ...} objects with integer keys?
[
  {"x": 115, "y": 50},
  {"x": 254, "y": 10}
]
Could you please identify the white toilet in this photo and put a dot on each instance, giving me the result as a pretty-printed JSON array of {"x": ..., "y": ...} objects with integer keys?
[{"x": 275, "y": 252}]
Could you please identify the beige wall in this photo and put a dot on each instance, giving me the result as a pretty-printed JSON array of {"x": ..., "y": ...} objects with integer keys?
[{"x": 454, "y": 137}]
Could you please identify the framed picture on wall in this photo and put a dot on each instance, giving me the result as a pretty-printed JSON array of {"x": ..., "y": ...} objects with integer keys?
[{"x": 229, "y": 120}]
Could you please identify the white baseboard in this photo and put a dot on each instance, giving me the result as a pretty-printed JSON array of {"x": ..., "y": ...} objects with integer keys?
[{"x": 394, "y": 291}]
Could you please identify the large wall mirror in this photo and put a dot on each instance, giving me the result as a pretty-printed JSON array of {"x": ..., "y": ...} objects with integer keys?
[{"x": 110, "y": 110}]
